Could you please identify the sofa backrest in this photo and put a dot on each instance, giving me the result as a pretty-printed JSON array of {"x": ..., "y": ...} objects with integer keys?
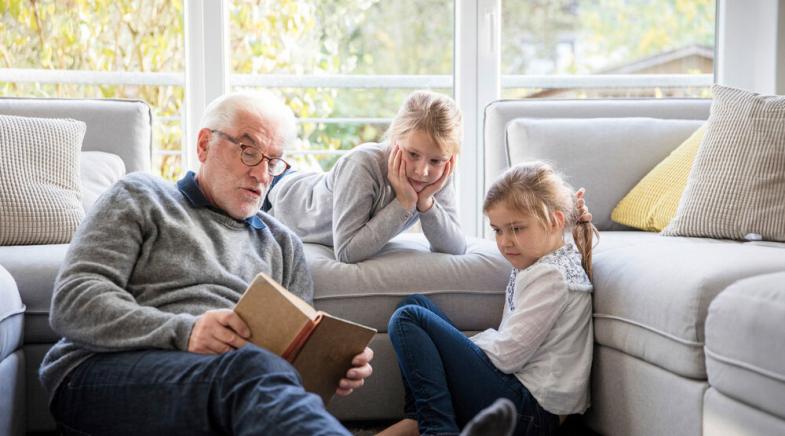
[
  {"x": 122, "y": 127},
  {"x": 606, "y": 146}
]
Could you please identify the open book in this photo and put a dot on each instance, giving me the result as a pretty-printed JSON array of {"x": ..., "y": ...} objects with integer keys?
[{"x": 319, "y": 345}]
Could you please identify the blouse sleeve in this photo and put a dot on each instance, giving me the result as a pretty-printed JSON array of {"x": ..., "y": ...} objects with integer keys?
[{"x": 540, "y": 297}]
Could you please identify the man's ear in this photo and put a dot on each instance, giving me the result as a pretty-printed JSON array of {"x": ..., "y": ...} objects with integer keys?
[{"x": 202, "y": 143}]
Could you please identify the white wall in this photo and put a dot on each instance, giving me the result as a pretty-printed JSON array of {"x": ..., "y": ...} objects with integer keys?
[{"x": 751, "y": 45}]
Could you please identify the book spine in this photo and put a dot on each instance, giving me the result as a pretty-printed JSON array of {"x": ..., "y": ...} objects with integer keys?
[{"x": 302, "y": 337}]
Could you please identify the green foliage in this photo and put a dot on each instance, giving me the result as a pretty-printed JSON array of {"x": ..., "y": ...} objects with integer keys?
[
  {"x": 100, "y": 35},
  {"x": 309, "y": 37},
  {"x": 341, "y": 37}
]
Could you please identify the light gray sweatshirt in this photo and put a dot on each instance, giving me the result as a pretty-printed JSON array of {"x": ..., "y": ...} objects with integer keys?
[
  {"x": 148, "y": 259},
  {"x": 353, "y": 208}
]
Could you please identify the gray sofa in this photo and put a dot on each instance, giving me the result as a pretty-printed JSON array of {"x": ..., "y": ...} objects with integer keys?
[
  {"x": 120, "y": 127},
  {"x": 651, "y": 374}
]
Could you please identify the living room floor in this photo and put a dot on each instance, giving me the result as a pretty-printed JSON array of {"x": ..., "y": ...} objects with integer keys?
[{"x": 572, "y": 427}]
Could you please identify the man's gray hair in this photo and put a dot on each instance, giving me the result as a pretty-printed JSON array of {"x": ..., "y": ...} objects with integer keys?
[{"x": 221, "y": 113}]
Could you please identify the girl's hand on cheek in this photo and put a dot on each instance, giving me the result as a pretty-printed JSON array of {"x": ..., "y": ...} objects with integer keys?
[
  {"x": 396, "y": 174},
  {"x": 425, "y": 197}
]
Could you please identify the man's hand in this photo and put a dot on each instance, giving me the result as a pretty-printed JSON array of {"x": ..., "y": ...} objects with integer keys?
[
  {"x": 425, "y": 197},
  {"x": 218, "y": 331},
  {"x": 355, "y": 377},
  {"x": 583, "y": 212},
  {"x": 396, "y": 174}
]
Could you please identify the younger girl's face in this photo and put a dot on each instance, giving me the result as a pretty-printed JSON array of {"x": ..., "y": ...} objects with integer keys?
[
  {"x": 425, "y": 161},
  {"x": 521, "y": 238}
]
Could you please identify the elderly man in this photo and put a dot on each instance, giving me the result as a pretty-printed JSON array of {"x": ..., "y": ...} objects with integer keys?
[{"x": 143, "y": 300}]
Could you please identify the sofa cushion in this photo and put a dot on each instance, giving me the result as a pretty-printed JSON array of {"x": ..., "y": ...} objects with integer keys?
[
  {"x": 589, "y": 152},
  {"x": 34, "y": 268},
  {"x": 652, "y": 292},
  {"x": 39, "y": 179},
  {"x": 737, "y": 183},
  {"x": 652, "y": 203},
  {"x": 121, "y": 127},
  {"x": 98, "y": 171},
  {"x": 727, "y": 417},
  {"x": 745, "y": 347},
  {"x": 469, "y": 288},
  {"x": 11, "y": 315}
]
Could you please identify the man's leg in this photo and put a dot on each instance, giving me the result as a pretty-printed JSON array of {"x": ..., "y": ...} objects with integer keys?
[{"x": 248, "y": 391}]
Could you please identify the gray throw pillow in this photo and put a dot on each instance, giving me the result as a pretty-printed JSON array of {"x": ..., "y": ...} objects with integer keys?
[
  {"x": 736, "y": 188},
  {"x": 40, "y": 200}
]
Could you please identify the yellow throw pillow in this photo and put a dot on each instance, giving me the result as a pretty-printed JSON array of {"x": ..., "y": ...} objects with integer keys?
[{"x": 652, "y": 203}]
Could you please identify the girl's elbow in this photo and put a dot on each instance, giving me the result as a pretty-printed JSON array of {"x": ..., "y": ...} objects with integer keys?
[{"x": 345, "y": 255}]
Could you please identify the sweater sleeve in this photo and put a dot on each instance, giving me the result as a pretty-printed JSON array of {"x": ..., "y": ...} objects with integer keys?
[
  {"x": 90, "y": 305},
  {"x": 356, "y": 234},
  {"x": 541, "y": 295},
  {"x": 440, "y": 223},
  {"x": 296, "y": 276}
]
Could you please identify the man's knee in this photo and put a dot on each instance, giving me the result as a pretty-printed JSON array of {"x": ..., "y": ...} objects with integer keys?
[{"x": 251, "y": 360}]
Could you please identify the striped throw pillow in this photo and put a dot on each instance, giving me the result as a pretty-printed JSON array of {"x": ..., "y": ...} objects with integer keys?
[
  {"x": 40, "y": 199},
  {"x": 736, "y": 188}
]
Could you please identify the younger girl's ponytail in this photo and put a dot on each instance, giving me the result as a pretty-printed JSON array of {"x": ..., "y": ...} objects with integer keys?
[{"x": 583, "y": 233}]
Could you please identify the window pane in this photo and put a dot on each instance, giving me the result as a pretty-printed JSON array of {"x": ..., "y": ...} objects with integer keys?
[
  {"x": 660, "y": 41},
  {"x": 139, "y": 36},
  {"x": 325, "y": 51}
]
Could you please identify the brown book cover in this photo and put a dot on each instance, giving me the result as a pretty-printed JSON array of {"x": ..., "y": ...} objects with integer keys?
[{"x": 319, "y": 345}]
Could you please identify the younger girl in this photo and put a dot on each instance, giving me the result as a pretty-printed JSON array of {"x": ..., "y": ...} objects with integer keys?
[
  {"x": 540, "y": 356},
  {"x": 378, "y": 190}
]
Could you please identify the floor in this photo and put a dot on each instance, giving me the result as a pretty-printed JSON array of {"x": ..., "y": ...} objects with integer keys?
[{"x": 572, "y": 427}]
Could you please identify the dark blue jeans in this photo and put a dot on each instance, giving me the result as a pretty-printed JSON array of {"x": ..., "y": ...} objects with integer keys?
[
  {"x": 448, "y": 379},
  {"x": 249, "y": 391}
]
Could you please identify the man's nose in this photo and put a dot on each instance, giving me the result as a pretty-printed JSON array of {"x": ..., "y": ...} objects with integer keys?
[{"x": 261, "y": 172}]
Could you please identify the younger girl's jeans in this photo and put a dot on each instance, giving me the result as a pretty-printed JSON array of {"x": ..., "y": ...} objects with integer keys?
[{"x": 448, "y": 379}]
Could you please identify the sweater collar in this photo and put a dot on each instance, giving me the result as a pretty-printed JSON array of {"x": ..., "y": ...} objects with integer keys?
[{"x": 190, "y": 189}]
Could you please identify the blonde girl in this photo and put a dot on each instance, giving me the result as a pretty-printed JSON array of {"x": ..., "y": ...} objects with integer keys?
[
  {"x": 540, "y": 355},
  {"x": 378, "y": 190}
]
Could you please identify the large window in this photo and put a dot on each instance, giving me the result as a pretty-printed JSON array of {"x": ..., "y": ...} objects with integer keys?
[
  {"x": 607, "y": 48},
  {"x": 344, "y": 66},
  {"x": 100, "y": 49}
]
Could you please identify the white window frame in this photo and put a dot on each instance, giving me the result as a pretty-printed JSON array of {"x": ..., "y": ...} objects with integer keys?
[{"x": 477, "y": 73}]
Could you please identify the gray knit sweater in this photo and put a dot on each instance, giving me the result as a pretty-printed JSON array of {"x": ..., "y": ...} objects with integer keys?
[
  {"x": 148, "y": 259},
  {"x": 353, "y": 208}
]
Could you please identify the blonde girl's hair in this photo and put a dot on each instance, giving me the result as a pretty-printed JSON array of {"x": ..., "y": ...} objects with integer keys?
[
  {"x": 535, "y": 189},
  {"x": 430, "y": 112}
]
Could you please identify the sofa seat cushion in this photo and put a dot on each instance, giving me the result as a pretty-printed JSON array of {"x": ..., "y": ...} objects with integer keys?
[
  {"x": 469, "y": 288},
  {"x": 745, "y": 349},
  {"x": 34, "y": 267},
  {"x": 12, "y": 313},
  {"x": 652, "y": 292}
]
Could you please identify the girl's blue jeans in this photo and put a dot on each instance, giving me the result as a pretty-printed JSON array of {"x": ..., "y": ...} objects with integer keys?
[
  {"x": 248, "y": 391},
  {"x": 448, "y": 379}
]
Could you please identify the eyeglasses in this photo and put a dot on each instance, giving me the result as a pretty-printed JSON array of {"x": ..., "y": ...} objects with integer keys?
[{"x": 251, "y": 156}]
